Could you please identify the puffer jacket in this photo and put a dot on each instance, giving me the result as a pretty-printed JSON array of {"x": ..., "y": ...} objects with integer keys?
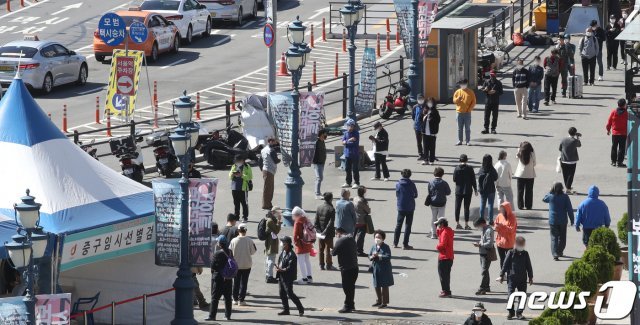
[
  {"x": 505, "y": 227},
  {"x": 593, "y": 212}
]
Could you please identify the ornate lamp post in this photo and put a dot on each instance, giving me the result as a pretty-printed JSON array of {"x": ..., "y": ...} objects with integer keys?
[
  {"x": 296, "y": 58},
  {"x": 415, "y": 66},
  {"x": 350, "y": 16},
  {"x": 28, "y": 245},
  {"x": 183, "y": 139}
]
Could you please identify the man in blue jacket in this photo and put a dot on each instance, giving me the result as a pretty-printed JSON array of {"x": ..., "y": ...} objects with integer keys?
[
  {"x": 592, "y": 213},
  {"x": 417, "y": 115},
  {"x": 406, "y": 193},
  {"x": 351, "y": 142}
]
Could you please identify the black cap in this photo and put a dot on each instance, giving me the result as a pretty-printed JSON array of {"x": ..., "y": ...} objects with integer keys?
[
  {"x": 377, "y": 125},
  {"x": 286, "y": 240},
  {"x": 463, "y": 158},
  {"x": 593, "y": 23}
]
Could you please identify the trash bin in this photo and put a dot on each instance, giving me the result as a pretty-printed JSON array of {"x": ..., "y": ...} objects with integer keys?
[{"x": 540, "y": 16}]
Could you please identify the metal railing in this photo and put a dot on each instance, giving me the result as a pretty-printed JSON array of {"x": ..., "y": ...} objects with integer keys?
[
  {"x": 375, "y": 14},
  {"x": 517, "y": 14}
]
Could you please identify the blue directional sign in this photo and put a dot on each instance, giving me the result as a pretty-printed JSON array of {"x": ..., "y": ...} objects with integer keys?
[
  {"x": 138, "y": 32},
  {"x": 112, "y": 29},
  {"x": 119, "y": 102},
  {"x": 268, "y": 35}
]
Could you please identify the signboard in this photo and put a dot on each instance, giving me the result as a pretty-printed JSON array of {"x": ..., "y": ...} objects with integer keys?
[
  {"x": 553, "y": 20},
  {"x": 107, "y": 242},
  {"x": 138, "y": 32},
  {"x": 633, "y": 205},
  {"x": 269, "y": 35},
  {"x": 366, "y": 98},
  {"x": 281, "y": 114},
  {"x": 404, "y": 13},
  {"x": 202, "y": 196},
  {"x": 50, "y": 310},
  {"x": 167, "y": 198},
  {"x": 427, "y": 10},
  {"x": 311, "y": 112},
  {"x": 112, "y": 29},
  {"x": 122, "y": 92}
]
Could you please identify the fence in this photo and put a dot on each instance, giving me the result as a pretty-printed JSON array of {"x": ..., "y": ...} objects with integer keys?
[
  {"x": 376, "y": 15},
  {"x": 510, "y": 17}
]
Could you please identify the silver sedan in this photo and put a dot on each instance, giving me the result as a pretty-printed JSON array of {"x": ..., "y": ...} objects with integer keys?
[{"x": 42, "y": 64}]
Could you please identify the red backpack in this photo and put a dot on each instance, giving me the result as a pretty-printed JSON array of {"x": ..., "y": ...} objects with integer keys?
[{"x": 518, "y": 40}]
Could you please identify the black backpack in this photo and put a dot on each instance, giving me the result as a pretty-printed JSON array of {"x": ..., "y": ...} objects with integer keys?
[{"x": 262, "y": 229}]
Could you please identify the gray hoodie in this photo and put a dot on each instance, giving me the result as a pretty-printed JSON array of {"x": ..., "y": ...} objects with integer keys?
[{"x": 589, "y": 47}]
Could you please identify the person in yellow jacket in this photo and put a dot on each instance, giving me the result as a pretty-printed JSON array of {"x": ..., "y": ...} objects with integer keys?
[
  {"x": 465, "y": 101},
  {"x": 241, "y": 183}
]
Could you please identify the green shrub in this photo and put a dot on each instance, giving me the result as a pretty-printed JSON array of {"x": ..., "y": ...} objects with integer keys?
[
  {"x": 606, "y": 238},
  {"x": 537, "y": 321},
  {"x": 579, "y": 316},
  {"x": 602, "y": 262},
  {"x": 564, "y": 316},
  {"x": 582, "y": 275},
  {"x": 622, "y": 229}
]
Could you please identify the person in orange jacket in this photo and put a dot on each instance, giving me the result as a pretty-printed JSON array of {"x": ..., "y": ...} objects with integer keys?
[
  {"x": 505, "y": 227},
  {"x": 465, "y": 101}
]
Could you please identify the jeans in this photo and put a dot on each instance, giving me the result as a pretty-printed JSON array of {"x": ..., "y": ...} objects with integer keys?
[
  {"x": 491, "y": 109},
  {"x": 361, "y": 231},
  {"x": 381, "y": 162},
  {"x": 240, "y": 199},
  {"x": 324, "y": 246},
  {"x": 568, "y": 170},
  {"x": 467, "y": 203},
  {"x": 402, "y": 215},
  {"x": 522, "y": 99},
  {"x": 535, "y": 95},
  {"x": 504, "y": 194},
  {"x": 219, "y": 288},
  {"x": 436, "y": 212},
  {"x": 304, "y": 265},
  {"x": 558, "y": 239},
  {"x": 612, "y": 54},
  {"x": 349, "y": 278},
  {"x": 512, "y": 286},
  {"x": 550, "y": 88},
  {"x": 286, "y": 293},
  {"x": 240, "y": 284},
  {"x": 419, "y": 142},
  {"x": 487, "y": 198},
  {"x": 525, "y": 193},
  {"x": 267, "y": 192},
  {"x": 269, "y": 265},
  {"x": 589, "y": 69},
  {"x": 586, "y": 234},
  {"x": 318, "y": 169},
  {"x": 564, "y": 73},
  {"x": 618, "y": 147},
  {"x": 599, "y": 58},
  {"x": 352, "y": 165},
  {"x": 444, "y": 271},
  {"x": 429, "y": 147},
  {"x": 464, "y": 123},
  {"x": 485, "y": 264}
]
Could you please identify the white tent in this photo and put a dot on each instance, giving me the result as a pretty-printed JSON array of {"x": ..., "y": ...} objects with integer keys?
[{"x": 77, "y": 194}]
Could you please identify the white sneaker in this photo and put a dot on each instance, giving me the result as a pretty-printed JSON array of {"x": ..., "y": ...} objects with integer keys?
[
  {"x": 458, "y": 143},
  {"x": 386, "y": 179},
  {"x": 346, "y": 185},
  {"x": 319, "y": 197},
  {"x": 237, "y": 303},
  {"x": 355, "y": 186},
  {"x": 375, "y": 179},
  {"x": 600, "y": 78}
]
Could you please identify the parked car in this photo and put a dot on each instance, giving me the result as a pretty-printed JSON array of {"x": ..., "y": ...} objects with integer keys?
[
  {"x": 191, "y": 17},
  {"x": 232, "y": 10},
  {"x": 43, "y": 64},
  {"x": 163, "y": 36}
]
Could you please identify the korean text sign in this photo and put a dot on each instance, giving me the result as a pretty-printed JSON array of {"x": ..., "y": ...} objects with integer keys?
[
  {"x": 202, "y": 196},
  {"x": 311, "y": 113}
]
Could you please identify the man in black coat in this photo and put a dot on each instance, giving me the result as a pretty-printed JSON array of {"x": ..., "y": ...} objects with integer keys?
[
  {"x": 493, "y": 88},
  {"x": 287, "y": 269},
  {"x": 465, "y": 179},
  {"x": 381, "y": 140},
  {"x": 346, "y": 250},
  {"x": 517, "y": 267},
  {"x": 601, "y": 36}
]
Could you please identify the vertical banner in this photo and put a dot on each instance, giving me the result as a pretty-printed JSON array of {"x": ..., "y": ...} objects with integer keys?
[
  {"x": 404, "y": 13},
  {"x": 123, "y": 82},
  {"x": 50, "y": 310},
  {"x": 633, "y": 205},
  {"x": 311, "y": 111},
  {"x": 281, "y": 114},
  {"x": 427, "y": 10},
  {"x": 366, "y": 98},
  {"x": 167, "y": 197},
  {"x": 202, "y": 197}
]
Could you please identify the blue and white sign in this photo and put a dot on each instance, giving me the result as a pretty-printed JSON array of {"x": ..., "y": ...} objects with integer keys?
[
  {"x": 112, "y": 29},
  {"x": 138, "y": 32},
  {"x": 119, "y": 102},
  {"x": 269, "y": 35}
]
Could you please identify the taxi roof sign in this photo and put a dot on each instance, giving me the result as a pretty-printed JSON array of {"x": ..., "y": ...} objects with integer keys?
[
  {"x": 31, "y": 37},
  {"x": 136, "y": 8}
]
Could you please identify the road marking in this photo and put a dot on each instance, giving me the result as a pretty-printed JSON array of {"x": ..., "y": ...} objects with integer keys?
[
  {"x": 84, "y": 47},
  {"x": 90, "y": 91},
  {"x": 224, "y": 39},
  {"x": 173, "y": 63},
  {"x": 216, "y": 31},
  {"x": 247, "y": 24},
  {"x": 319, "y": 12},
  {"x": 68, "y": 7},
  {"x": 21, "y": 9},
  {"x": 90, "y": 56}
]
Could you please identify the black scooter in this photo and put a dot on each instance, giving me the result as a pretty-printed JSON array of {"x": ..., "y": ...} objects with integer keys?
[
  {"x": 220, "y": 147},
  {"x": 166, "y": 160},
  {"x": 130, "y": 157},
  {"x": 89, "y": 149}
]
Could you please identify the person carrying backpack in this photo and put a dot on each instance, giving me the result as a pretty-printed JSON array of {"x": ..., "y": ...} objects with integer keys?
[
  {"x": 221, "y": 278},
  {"x": 553, "y": 64},
  {"x": 438, "y": 190},
  {"x": 303, "y": 238},
  {"x": 268, "y": 230}
]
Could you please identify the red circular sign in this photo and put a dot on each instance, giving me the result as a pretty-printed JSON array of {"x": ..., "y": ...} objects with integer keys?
[{"x": 269, "y": 35}]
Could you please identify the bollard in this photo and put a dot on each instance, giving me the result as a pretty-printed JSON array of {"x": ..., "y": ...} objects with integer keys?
[
  {"x": 324, "y": 31},
  {"x": 312, "y": 44},
  {"x": 76, "y": 137},
  {"x": 144, "y": 309},
  {"x": 388, "y": 26},
  {"x": 335, "y": 68},
  {"x": 313, "y": 75},
  {"x": 98, "y": 110},
  {"x": 344, "y": 40},
  {"x": 378, "y": 45},
  {"x": 198, "y": 105},
  {"x": 388, "y": 41},
  {"x": 227, "y": 113},
  {"x": 22, "y": 3},
  {"x": 233, "y": 96},
  {"x": 397, "y": 33},
  {"x": 8, "y": 6},
  {"x": 109, "y": 124},
  {"x": 64, "y": 119},
  {"x": 155, "y": 116},
  {"x": 155, "y": 93},
  {"x": 283, "y": 67}
]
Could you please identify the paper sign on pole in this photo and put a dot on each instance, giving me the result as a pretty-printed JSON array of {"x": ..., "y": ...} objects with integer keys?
[
  {"x": 123, "y": 82},
  {"x": 281, "y": 115},
  {"x": 405, "y": 14},
  {"x": 366, "y": 98},
  {"x": 168, "y": 201}
]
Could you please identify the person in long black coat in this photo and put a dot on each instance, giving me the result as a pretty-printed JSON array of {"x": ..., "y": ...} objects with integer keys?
[
  {"x": 287, "y": 269},
  {"x": 219, "y": 285},
  {"x": 380, "y": 256}
]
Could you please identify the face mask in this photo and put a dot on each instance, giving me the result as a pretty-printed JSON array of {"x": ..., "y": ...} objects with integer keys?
[
  {"x": 378, "y": 241},
  {"x": 589, "y": 34},
  {"x": 478, "y": 313},
  {"x": 463, "y": 86},
  {"x": 519, "y": 248},
  {"x": 519, "y": 66},
  {"x": 624, "y": 16},
  {"x": 612, "y": 21},
  {"x": 430, "y": 104},
  {"x": 594, "y": 28},
  {"x": 421, "y": 101}
]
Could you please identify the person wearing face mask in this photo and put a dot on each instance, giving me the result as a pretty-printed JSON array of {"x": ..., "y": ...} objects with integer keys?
[
  {"x": 517, "y": 268},
  {"x": 345, "y": 250},
  {"x": 536, "y": 75},
  {"x": 465, "y": 101},
  {"x": 589, "y": 49},
  {"x": 493, "y": 88},
  {"x": 351, "y": 142},
  {"x": 622, "y": 22},
  {"x": 240, "y": 176},
  {"x": 617, "y": 128},
  {"x": 381, "y": 141},
  {"x": 613, "y": 29},
  {"x": 478, "y": 317},
  {"x": 417, "y": 115},
  {"x": 465, "y": 179},
  {"x": 485, "y": 245},
  {"x": 445, "y": 255},
  {"x": 380, "y": 257},
  {"x": 553, "y": 64},
  {"x": 431, "y": 126},
  {"x": 270, "y": 160},
  {"x": 566, "y": 51},
  {"x": 286, "y": 274},
  {"x": 521, "y": 81},
  {"x": 601, "y": 36}
]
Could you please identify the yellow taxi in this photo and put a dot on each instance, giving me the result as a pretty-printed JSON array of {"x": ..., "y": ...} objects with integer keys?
[{"x": 163, "y": 36}]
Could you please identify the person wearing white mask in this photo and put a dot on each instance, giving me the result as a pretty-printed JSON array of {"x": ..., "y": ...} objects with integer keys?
[
  {"x": 478, "y": 317},
  {"x": 517, "y": 268},
  {"x": 612, "y": 31},
  {"x": 588, "y": 52},
  {"x": 381, "y": 269},
  {"x": 465, "y": 101},
  {"x": 521, "y": 81},
  {"x": 601, "y": 36}
]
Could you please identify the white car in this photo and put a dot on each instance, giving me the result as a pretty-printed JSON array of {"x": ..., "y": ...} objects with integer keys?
[
  {"x": 232, "y": 10},
  {"x": 191, "y": 17}
]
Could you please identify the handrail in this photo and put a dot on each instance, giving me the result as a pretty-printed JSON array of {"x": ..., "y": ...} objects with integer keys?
[{"x": 122, "y": 302}]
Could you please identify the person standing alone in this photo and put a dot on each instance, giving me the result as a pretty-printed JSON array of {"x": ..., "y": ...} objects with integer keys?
[
  {"x": 485, "y": 246},
  {"x": 521, "y": 81},
  {"x": 589, "y": 49},
  {"x": 302, "y": 245},
  {"x": 566, "y": 51},
  {"x": 381, "y": 141},
  {"x": 319, "y": 159},
  {"x": 569, "y": 157},
  {"x": 465, "y": 101},
  {"x": 493, "y": 89},
  {"x": 617, "y": 128},
  {"x": 240, "y": 176},
  {"x": 438, "y": 190},
  {"x": 270, "y": 160},
  {"x": 445, "y": 255},
  {"x": 517, "y": 268},
  {"x": 592, "y": 213},
  {"x": 351, "y": 142},
  {"x": 612, "y": 31},
  {"x": 560, "y": 212}
]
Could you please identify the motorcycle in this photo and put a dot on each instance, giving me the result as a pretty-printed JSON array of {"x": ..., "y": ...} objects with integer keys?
[
  {"x": 397, "y": 98},
  {"x": 166, "y": 160},
  {"x": 130, "y": 157},
  {"x": 222, "y": 146},
  {"x": 89, "y": 149}
]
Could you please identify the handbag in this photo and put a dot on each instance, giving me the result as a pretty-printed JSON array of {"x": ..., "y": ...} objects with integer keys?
[
  {"x": 369, "y": 223},
  {"x": 558, "y": 165},
  {"x": 427, "y": 200},
  {"x": 491, "y": 254},
  {"x": 250, "y": 185}
]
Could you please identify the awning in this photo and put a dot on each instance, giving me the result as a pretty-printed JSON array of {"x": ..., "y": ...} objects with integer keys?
[
  {"x": 461, "y": 23},
  {"x": 631, "y": 31}
]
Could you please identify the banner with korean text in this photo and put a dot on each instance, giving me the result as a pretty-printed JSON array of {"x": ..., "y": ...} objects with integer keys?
[
  {"x": 168, "y": 202},
  {"x": 124, "y": 78},
  {"x": 404, "y": 13},
  {"x": 281, "y": 114},
  {"x": 50, "y": 310},
  {"x": 366, "y": 98},
  {"x": 108, "y": 242},
  {"x": 202, "y": 197},
  {"x": 311, "y": 112},
  {"x": 427, "y": 10}
]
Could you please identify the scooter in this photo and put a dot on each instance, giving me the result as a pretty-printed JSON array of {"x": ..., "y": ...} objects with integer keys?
[
  {"x": 89, "y": 149},
  {"x": 397, "y": 98},
  {"x": 130, "y": 157},
  {"x": 222, "y": 146},
  {"x": 166, "y": 160}
]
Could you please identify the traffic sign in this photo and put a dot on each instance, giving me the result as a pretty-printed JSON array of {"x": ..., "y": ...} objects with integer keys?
[
  {"x": 119, "y": 102},
  {"x": 138, "y": 32},
  {"x": 125, "y": 71},
  {"x": 269, "y": 35},
  {"x": 112, "y": 29},
  {"x": 123, "y": 81}
]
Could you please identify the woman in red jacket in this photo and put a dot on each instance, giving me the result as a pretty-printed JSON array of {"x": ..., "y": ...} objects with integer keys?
[
  {"x": 445, "y": 256},
  {"x": 617, "y": 128},
  {"x": 302, "y": 246}
]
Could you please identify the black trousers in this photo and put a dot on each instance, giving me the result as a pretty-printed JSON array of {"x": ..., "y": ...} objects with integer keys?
[
  {"x": 612, "y": 54},
  {"x": 568, "y": 170},
  {"x": 525, "y": 193},
  {"x": 589, "y": 66},
  {"x": 444, "y": 271},
  {"x": 623, "y": 55},
  {"x": 618, "y": 148},
  {"x": 286, "y": 293},
  {"x": 381, "y": 163},
  {"x": 240, "y": 284},
  {"x": 352, "y": 167},
  {"x": 240, "y": 199},
  {"x": 219, "y": 288},
  {"x": 419, "y": 142},
  {"x": 361, "y": 231},
  {"x": 429, "y": 147},
  {"x": 467, "y": 202},
  {"x": 502, "y": 252},
  {"x": 550, "y": 87},
  {"x": 512, "y": 286},
  {"x": 349, "y": 278},
  {"x": 491, "y": 109}
]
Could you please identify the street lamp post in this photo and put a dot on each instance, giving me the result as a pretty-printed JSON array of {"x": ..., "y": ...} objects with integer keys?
[
  {"x": 183, "y": 139},
  {"x": 414, "y": 66},
  {"x": 296, "y": 59},
  {"x": 350, "y": 15},
  {"x": 28, "y": 245}
]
